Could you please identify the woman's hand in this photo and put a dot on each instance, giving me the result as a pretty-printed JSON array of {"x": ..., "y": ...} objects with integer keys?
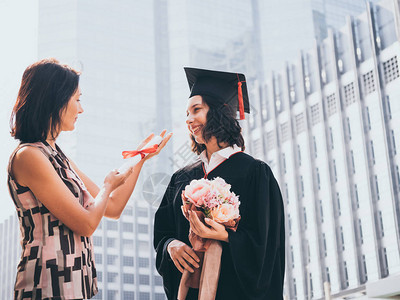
[
  {"x": 162, "y": 144},
  {"x": 114, "y": 179},
  {"x": 216, "y": 231},
  {"x": 183, "y": 256}
]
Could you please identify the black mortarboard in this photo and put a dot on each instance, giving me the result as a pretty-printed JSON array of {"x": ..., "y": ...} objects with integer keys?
[{"x": 228, "y": 88}]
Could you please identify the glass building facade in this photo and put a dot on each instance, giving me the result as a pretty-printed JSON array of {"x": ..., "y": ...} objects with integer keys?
[{"x": 328, "y": 126}]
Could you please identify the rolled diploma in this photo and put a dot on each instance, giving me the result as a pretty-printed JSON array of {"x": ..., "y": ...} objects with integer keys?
[{"x": 132, "y": 161}]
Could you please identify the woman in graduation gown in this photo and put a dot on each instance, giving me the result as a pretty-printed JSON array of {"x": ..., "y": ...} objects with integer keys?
[{"x": 253, "y": 257}]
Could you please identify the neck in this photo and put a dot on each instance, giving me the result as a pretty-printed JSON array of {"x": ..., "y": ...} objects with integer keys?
[
  {"x": 212, "y": 146},
  {"x": 51, "y": 142}
]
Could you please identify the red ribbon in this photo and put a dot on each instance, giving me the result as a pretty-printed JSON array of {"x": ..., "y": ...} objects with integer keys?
[
  {"x": 240, "y": 96},
  {"x": 143, "y": 152}
]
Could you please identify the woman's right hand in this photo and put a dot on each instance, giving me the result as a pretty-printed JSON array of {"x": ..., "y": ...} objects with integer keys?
[
  {"x": 114, "y": 179},
  {"x": 183, "y": 256}
]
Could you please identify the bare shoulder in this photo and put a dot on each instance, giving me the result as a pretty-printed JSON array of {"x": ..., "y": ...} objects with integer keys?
[{"x": 29, "y": 162}]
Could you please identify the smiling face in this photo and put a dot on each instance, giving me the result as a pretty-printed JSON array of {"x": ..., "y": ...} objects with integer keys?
[
  {"x": 71, "y": 112},
  {"x": 196, "y": 117}
]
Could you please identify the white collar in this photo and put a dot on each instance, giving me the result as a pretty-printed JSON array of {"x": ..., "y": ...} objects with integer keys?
[{"x": 224, "y": 153}]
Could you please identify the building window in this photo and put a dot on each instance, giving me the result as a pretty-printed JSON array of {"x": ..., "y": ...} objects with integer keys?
[
  {"x": 364, "y": 275},
  {"x": 128, "y": 261},
  {"x": 143, "y": 246},
  {"x": 356, "y": 196},
  {"x": 393, "y": 144},
  {"x": 284, "y": 132},
  {"x": 348, "y": 129},
  {"x": 111, "y": 259},
  {"x": 127, "y": 227},
  {"x": 377, "y": 188},
  {"x": 271, "y": 140},
  {"x": 112, "y": 277},
  {"x": 287, "y": 193},
  {"x": 332, "y": 106},
  {"x": 143, "y": 262},
  {"x": 128, "y": 278},
  {"x": 352, "y": 161},
  {"x": 128, "y": 211},
  {"x": 328, "y": 276},
  {"x": 112, "y": 294},
  {"x": 159, "y": 296},
  {"x": 302, "y": 186},
  {"x": 143, "y": 228},
  {"x": 342, "y": 237},
  {"x": 128, "y": 295},
  {"x": 368, "y": 118},
  {"x": 299, "y": 154},
  {"x": 290, "y": 224},
  {"x": 321, "y": 211},
  {"x": 98, "y": 258},
  {"x": 334, "y": 170},
  {"x": 112, "y": 225},
  {"x": 294, "y": 288},
  {"x": 305, "y": 217},
  {"x": 369, "y": 82},
  {"x": 349, "y": 95},
  {"x": 389, "y": 110},
  {"x": 398, "y": 177},
  {"x": 346, "y": 275},
  {"x": 382, "y": 231},
  {"x": 391, "y": 69},
  {"x": 325, "y": 248},
  {"x": 315, "y": 147},
  {"x": 318, "y": 180},
  {"x": 300, "y": 127},
  {"x": 315, "y": 115},
  {"x": 385, "y": 266},
  {"x": 361, "y": 232},
  {"x": 338, "y": 204},
  {"x": 144, "y": 296},
  {"x": 284, "y": 162},
  {"x": 158, "y": 280},
  {"x": 331, "y": 136},
  {"x": 144, "y": 279},
  {"x": 97, "y": 241},
  {"x": 292, "y": 256},
  {"x": 141, "y": 212},
  {"x": 372, "y": 152},
  {"x": 127, "y": 244},
  {"x": 99, "y": 276},
  {"x": 111, "y": 242}
]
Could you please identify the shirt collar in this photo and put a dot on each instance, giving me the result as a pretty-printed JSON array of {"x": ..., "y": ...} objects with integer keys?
[{"x": 225, "y": 153}]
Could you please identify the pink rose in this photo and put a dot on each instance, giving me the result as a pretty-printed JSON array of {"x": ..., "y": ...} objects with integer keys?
[
  {"x": 196, "y": 192},
  {"x": 225, "y": 212}
]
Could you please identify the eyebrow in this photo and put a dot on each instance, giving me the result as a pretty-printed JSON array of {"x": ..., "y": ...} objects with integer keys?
[{"x": 194, "y": 105}]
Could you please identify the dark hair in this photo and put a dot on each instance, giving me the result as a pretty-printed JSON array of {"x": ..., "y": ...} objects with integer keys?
[
  {"x": 221, "y": 124},
  {"x": 46, "y": 88}
]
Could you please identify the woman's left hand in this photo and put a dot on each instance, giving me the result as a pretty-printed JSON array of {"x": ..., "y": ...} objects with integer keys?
[
  {"x": 216, "y": 231},
  {"x": 162, "y": 144}
]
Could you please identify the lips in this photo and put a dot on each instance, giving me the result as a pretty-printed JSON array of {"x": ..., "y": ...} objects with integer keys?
[{"x": 196, "y": 129}]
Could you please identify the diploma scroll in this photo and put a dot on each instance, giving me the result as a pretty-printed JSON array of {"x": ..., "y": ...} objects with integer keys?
[{"x": 132, "y": 157}]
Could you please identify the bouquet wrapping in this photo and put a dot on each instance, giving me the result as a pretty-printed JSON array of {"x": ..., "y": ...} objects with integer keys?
[{"x": 211, "y": 199}]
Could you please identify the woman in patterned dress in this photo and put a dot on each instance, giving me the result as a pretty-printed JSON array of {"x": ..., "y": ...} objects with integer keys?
[{"x": 58, "y": 206}]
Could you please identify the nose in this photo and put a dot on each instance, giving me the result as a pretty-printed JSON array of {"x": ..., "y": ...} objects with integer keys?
[
  {"x": 80, "y": 108},
  {"x": 189, "y": 119}
]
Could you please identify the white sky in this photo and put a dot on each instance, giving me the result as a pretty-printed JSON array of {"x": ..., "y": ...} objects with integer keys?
[{"x": 18, "y": 49}]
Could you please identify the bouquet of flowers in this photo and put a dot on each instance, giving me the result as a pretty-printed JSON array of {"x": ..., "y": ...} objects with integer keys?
[{"x": 211, "y": 199}]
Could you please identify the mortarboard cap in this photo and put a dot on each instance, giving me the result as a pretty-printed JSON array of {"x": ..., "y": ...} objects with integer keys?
[{"x": 228, "y": 88}]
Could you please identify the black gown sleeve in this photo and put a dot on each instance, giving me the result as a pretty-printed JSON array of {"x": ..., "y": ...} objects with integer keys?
[
  {"x": 258, "y": 246},
  {"x": 164, "y": 233}
]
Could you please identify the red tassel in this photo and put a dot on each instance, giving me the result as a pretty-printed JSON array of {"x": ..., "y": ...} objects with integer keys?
[{"x": 241, "y": 105}]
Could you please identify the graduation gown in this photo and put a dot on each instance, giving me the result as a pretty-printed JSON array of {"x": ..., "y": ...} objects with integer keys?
[{"x": 253, "y": 262}]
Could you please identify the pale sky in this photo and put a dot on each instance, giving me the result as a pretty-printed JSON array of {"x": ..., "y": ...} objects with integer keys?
[{"x": 18, "y": 40}]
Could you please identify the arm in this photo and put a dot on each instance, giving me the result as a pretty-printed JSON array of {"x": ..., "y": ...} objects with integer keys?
[
  {"x": 121, "y": 195},
  {"x": 32, "y": 169}
]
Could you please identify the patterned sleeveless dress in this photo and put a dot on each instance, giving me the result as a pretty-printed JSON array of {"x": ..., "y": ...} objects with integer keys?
[{"x": 55, "y": 262}]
